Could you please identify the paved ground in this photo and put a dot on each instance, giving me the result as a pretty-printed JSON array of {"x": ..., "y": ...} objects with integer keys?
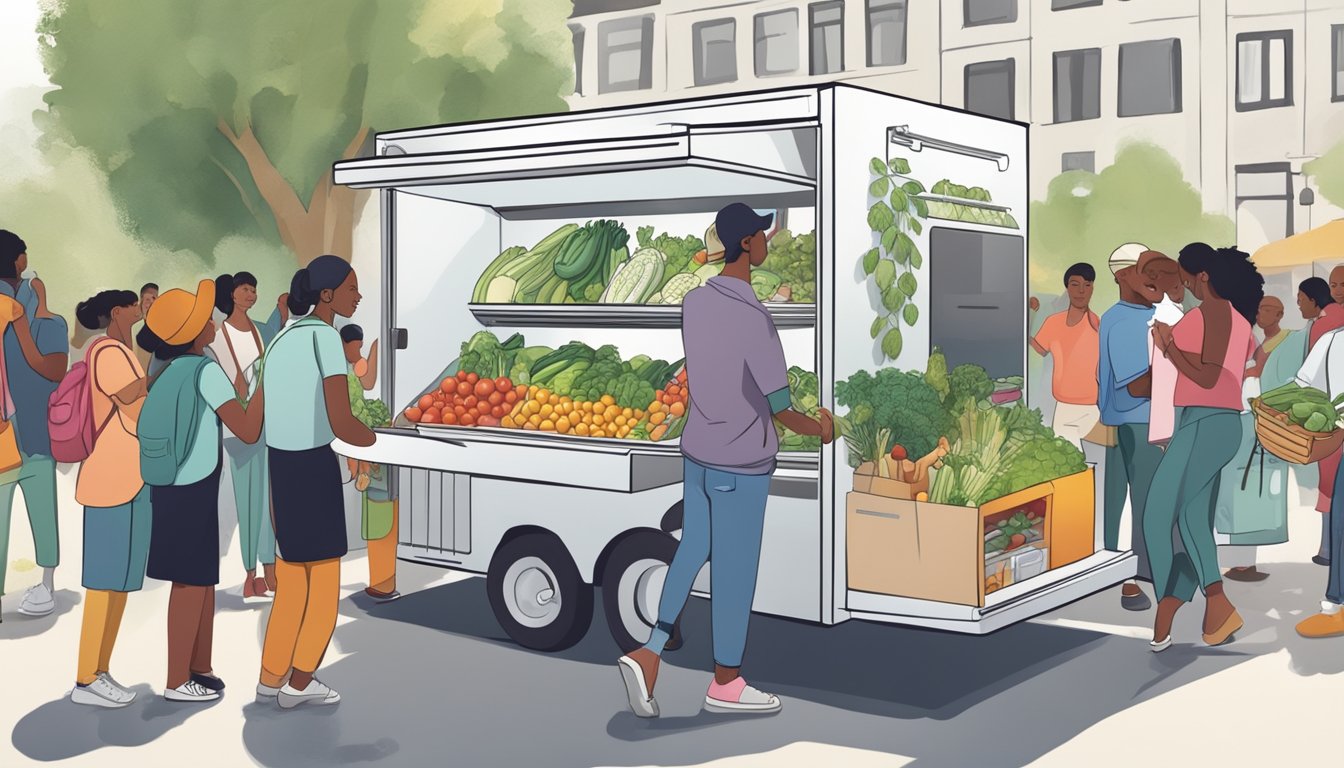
[{"x": 432, "y": 680}]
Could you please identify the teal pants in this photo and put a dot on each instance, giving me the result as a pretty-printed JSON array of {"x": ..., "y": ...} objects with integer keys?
[
  {"x": 1130, "y": 466},
  {"x": 1178, "y": 520},
  {"x": 37, "y": 478},
  {"x": 252, "y": 497}
]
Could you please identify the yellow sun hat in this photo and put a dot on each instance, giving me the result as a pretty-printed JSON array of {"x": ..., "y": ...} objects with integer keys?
[{"x": 179, "y": 316}]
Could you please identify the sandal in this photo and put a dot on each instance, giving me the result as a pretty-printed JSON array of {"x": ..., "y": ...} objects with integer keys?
[{"x": 1223, "y": 635}]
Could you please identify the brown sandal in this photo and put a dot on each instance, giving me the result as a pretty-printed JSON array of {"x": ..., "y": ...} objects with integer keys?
[
  {"x": 1246, "y": 574},
  {"x": 1223, "y": 634}
]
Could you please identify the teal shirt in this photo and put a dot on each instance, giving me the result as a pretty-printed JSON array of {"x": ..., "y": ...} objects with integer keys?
[
  {"x": 297, "y": 362},
  {"x": 203, "y": 457}
]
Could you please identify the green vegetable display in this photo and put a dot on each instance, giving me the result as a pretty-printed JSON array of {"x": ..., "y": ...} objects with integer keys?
[
  {"x": 794, "y": 259},
  {"x": 370, "y": 413},
  {"x": 1306, "y": 407},
  {"x": 805, "y": 395},
  {"x": 485, "y": 356},
  {"x": 967, "y": 383},
  {"x": 954, "y": 211},
  {"x": 680, "y": 251},
  {"x": 892, "y": 264},
  {"x": 635, "y": 281},
  {"x": 897, "y": 400},
  {"x": 935, "y": 373}
]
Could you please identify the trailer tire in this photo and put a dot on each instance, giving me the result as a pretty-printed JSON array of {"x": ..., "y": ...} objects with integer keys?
[
  {"x": 632, "y": 584},
  {"x": 537, "y": 594}
]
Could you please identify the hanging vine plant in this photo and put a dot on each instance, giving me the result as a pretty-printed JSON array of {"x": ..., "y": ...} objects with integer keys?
[{"x": 896, "y": 213}]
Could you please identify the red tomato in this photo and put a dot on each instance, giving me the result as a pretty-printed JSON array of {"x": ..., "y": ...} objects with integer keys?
[
  {"x": 463, "y": 389},
  {"x": 511, "y": 398},
  {"x": 470, "y": 402},
  {"x": 499, "y": 412},
  {"x": 413, "y": 415},
  {"x": 495, "y": 398},
  {"x": 483, "y": 407},
  {"x": 488, "y": 421},
  {"x": 461, "y": 375},
  {"x": 468, "y": 420},
  {"x": 460, "y": 411},
  {"x": 472, "y": 379},
  {"x": 426, "y": 402},
  {"x": 484, "y": 387},
  {"x": 502, "y": 384},
  {"x": 430, "y": 416},
  {"x": 448, "y": 386},
  {"x": 450, "y": 418}
]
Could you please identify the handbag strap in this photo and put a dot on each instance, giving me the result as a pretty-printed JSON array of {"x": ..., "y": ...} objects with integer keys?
[{"x": 93, "y": 372}]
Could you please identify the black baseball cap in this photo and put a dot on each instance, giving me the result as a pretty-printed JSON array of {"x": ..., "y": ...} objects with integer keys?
[{"x": 737, "y": 222}]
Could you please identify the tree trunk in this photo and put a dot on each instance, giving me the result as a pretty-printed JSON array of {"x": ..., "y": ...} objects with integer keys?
[{"x": 326, "y": 224}]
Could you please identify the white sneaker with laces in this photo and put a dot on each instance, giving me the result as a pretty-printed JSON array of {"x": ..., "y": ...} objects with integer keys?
[
  {"x": 101, "y": 693},
  {"x": 190, "y": 691},
  {"x": 738, "y": 698},
  {"x": 37, "y": 601},
  {"x": 316, "y": 693},
  {"x": 266, "y": 692},
  {"x": 109, "y": 678}
]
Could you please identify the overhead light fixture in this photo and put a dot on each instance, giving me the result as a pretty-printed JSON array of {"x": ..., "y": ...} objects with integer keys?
[
  {"x": 900, "y": 135},
  {"x": 1306, "y": 197}
]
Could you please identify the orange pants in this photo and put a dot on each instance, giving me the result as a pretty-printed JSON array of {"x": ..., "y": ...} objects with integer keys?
[
  {"x": 303, "y": 617},
  {"x": 383, "y": 559},
  {"x": 103, "y": 610}
]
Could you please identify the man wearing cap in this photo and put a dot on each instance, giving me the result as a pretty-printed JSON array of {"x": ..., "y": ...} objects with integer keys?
[
  {"x": 1124, "y": 388},
  {"x": 739, "y": 385}
]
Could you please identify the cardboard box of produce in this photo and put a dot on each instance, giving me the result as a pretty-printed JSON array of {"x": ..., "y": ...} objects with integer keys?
[{"x": 867, "y": 480}]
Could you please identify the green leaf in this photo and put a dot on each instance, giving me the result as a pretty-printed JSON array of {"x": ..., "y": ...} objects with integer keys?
[
  {"x": 911, "y": 314},
  {"x": 916, "y": 258},
  {"x": 893, "y": 299},
  {"x": 870, "y": 260},
  {"x": 880, "y": 216},
  {"x": 879, "y": 187},
  {"x": 904, "y": 245},
  {"x": 889, "y": 238},
  {"x": 908, "y": 284},
  {"x": 899, "y": 165},
  {"x": 899, "y": 200},
  {"x": 913, "y": 187},
  {"x": 878, "y": 325},
  {"x": 940, "y": 188},
  {"x": 892, "y": 343},
  {"x": 916, "y": 227},
  {"x": 921, "y": 208},
  {"x": 878, "y": 167},
  {"x": 886, "y": 274}
]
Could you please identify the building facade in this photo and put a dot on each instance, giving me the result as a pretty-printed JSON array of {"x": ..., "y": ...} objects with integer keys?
[{"x": 1240, "y": 92}]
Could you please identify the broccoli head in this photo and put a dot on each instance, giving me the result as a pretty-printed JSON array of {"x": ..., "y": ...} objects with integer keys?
[
  {"x": 899, "y": 401},
  {"x": 968, "y": 382}
]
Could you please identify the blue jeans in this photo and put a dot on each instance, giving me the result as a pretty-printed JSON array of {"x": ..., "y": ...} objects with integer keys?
[
  {"x": 1334, "y": 589},
  {"x": 723, "y": 512}
]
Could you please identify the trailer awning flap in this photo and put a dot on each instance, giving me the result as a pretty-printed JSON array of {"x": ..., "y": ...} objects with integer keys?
[{"x": 1324, "y": 243}]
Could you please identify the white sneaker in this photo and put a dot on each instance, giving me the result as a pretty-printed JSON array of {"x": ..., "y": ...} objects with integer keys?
[
  {"x": 101, "y": 693},
  {"x": 738, "y": 698},
  {"x": 190, "y": 691},
  {"x": 37, "y": 601},
  {"x": 266, "y": 691},
  {"x": 316, "y": 693},
  {"x": 109, "y": 678}
]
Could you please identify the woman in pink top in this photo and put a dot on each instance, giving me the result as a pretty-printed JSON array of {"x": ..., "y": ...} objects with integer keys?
[{"x": 1210, "y": 348}]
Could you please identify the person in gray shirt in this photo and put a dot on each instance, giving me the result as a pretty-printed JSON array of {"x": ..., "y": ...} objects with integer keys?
[{"x": 739, "y": 386}]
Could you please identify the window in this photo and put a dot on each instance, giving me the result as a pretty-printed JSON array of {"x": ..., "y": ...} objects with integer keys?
[
  {"x": 1150, "y": 78},
  {"x": 715, "y": 51},
  {"x": 976, "y": 13},
  {"x": 1077, "y": 85},
  {"x": 777, "y": 43},
  {"x": 1079, "y": 161},
  {"x": 828, "y": 37},
  {"x": 1264, "y": 70},
  {"x": 625, "y": 54},
  {"x": 1264, "y": 202},
  {"x": 886, "y": 32},
  {"x": 1064, "y": 5},
  {"x": 577, "y": 31},
  {"x": 1337, "y": 62},
  {"x": 989, "y": 88}
]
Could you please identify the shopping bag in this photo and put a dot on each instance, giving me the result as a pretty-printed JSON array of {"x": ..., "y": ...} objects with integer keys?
[
  {"x": 10, "y": 458},
  {"x": 1252, "y": 492}
]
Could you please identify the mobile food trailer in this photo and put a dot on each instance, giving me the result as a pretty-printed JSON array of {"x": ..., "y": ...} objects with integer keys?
[{"x": 549, "y": 513}]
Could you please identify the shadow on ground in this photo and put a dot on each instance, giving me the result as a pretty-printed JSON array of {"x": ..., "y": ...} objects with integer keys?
[
  {"x": 16, "y": 626},
  {"x": 60, "y": 730}
]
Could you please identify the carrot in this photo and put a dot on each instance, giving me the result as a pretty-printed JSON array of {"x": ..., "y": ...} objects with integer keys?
[
  {"x": 701, "y": 257},
  {"x": 658, "y": 432}
]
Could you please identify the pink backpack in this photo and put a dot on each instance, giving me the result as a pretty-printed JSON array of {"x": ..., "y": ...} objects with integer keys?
[{"x": 70, "y": 413}]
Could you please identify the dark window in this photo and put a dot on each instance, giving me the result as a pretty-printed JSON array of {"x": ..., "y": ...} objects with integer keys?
[
  {"x": 1265, "y": 193},
  {"x": 578, "y": 58},
  {"x": 1064, "y": 5},
  {"x": 1264, "y": 70},
  {"x": 1077, "y": 85},
  {"x": 979, "y": 12},
  {"x": 1079, "y": 161},
  {"x": 886, "y": 32},
  {"x": 1337, "y": 62},
  {"x": 776, "y": 43},
  {"x": 715, "y": 51},
  {"x": 989, "y": 88},
  {"x": 1150, "y": 78},
  {"x": 625, "y": 54},
  {"x": 827, "y": 22},
  {"x": 588, "y": 7}
]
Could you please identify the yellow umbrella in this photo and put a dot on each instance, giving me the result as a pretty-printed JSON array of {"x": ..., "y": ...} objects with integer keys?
[{"x": 1323, "y": 243}]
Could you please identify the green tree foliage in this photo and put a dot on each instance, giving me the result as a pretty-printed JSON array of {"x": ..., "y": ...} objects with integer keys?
[
  {"x": 1143, "y": 197},
  {"x": 1328, "y": 173},
  {"x": 220, "y": 118}
]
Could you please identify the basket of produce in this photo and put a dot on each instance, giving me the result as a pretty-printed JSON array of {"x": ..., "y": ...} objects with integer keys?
[{"x": 1290, "y": 420}]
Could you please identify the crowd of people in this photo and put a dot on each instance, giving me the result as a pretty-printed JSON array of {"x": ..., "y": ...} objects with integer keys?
[
  {"x": 1163, "y": 381},
  {"x": 171, "y": 386}
]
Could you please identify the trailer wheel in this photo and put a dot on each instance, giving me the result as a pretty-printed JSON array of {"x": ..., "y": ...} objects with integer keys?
[
  {"x": 537, "y": 594},
  {"x": 632, "y": 586}
]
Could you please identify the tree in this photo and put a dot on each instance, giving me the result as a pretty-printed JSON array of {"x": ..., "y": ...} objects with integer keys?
[
  {"x": 220, "y": 118},
  {"x": 1143, "y": 197},
  {"x": 1328, "y": 173}
]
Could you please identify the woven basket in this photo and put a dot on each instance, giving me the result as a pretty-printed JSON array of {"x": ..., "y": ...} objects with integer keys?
[{"x": 1281, "y": 437}]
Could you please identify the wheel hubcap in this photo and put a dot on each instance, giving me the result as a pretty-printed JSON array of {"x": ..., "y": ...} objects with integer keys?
[
  {"x": 640, "y": 590},
  {"x": 531, "y": 593}
]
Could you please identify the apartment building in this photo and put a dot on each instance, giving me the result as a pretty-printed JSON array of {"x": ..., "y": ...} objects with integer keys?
[{"x": 1241, "y": 92}]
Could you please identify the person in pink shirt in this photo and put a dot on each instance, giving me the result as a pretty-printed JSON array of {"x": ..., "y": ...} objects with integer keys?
[{"x": 1210, "y": 348}]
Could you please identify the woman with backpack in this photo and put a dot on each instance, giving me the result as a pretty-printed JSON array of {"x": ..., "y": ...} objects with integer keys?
[
  {"x": 115, "y": 499},
  {"x": 180, "y": 458},
  {"x": 308, "y": 408},
  {"x": 238, "y": 346}
]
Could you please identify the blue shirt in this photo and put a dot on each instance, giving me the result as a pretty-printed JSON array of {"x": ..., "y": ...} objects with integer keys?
[
  {"x": 31, "y": 392},
  {"x": 1124, "y": 358}
]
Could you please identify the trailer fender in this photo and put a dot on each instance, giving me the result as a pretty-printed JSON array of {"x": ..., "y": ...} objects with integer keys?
[
  {"x": 600, "y": 569},
  {"x": 672, "y": 519}
]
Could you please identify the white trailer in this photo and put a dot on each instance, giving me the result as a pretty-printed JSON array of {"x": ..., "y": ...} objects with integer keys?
[{"x": 548, "y": 517}]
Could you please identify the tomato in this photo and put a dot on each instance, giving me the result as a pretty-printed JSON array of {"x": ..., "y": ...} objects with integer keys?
[
  {"x": 496, "y": 398},
  {"x": 430, "y": 416},
  {"x": 426, "y": 402},
  {"x": 461, "y": 375},
  {"x": 484, "y": 407},
  {"x": 459, "y": 410},
  {"x": 468, "y": 420},
  {"x": 511, "y": 398},
  {"x": 413, "y": 415},
  {"x": 448, "y": 386},
  {"x": 472, "y": 379},
  {"x": 470, "y": 402},
  {"x": 499, "y": 412},
  {"x": 450, "y": 418},
  {"x": 462, "y": 389},
  {"x": 483, "y": 388},
  {"x": 502, "y": 384}
]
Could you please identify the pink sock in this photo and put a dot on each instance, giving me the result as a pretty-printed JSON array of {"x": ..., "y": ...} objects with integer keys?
[{"x": 730, "y": 692}]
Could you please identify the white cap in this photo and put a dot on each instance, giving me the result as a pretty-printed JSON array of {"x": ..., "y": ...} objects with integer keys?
[{"x": 1126, "y": 255}]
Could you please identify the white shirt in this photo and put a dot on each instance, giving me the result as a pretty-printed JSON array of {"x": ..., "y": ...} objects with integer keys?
[
  {"x": 1162, "y": 410},
  {"x": 245, "y": 346},
  {"x": 1323, "y": 369}
]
